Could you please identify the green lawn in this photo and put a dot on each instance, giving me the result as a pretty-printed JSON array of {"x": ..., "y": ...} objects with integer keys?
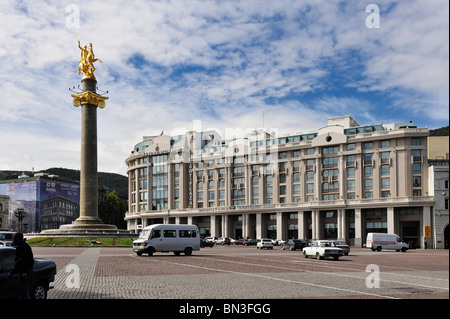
[{"x": 79, "y": 242}]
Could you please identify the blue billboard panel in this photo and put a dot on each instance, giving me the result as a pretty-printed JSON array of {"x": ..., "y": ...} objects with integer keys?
[{"x": 43, "y": 204}]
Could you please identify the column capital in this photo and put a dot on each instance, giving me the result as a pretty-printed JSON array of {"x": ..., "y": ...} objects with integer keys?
[{"x": 89, "y": 97}]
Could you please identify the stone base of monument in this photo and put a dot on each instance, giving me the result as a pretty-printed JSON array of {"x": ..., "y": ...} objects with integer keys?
[{"x": 87, "y": 227}]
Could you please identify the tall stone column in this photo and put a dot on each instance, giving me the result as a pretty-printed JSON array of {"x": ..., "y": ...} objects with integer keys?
[
  {"x": 89, "y": 159},
  {"x": 88, "y": 222},
  {"x": 89, "y": 100}
]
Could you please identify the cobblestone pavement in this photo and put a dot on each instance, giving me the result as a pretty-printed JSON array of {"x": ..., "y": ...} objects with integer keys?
[{"x": 228, "y": 272}]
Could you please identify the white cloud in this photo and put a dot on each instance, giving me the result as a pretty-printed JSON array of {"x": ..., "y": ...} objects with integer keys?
[{"x": 168, "y": 63}]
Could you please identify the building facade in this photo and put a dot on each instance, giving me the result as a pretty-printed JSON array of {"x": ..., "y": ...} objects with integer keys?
[
  {"x": 341, "y": 181},
  {"x": 4, "y": 203},
  {"x": 42, "y": 202}
]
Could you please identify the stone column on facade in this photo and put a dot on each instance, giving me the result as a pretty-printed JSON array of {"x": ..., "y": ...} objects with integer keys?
[
  {"x": 393, "y": 175},
  {"x": 245, "y": 225},
  {"x": 259, "y": 226},
  {"x": 426, "y": 222},
  {"x": 248, "y": 184},
  {"x": 391, "y": 227},
  {"x": 358, "y": 228},
  {"x": 313, "y": 224},
  {"x": 316, "y": 224},
  {"x": 149, "y": 187},
  {"x": 281, "y": 226},
  {"x": 318, "y": 179},
  {"x": 213, "y": 227},
  {"x": 341, "y": 178},
  {"x": 342, "y": 225},
  {"x": 228, "y": 185},
  {"x": 216, "y": 188},
  {"x": 225, "y": 224},
  {"x": 301, "y": 225},
  {"x": 170, "y": 183}
]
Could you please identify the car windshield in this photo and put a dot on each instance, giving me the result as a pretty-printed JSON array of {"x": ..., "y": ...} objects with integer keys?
[
  {"x": 5, "y": 236},
  {"x": 327, "y": 244},
  {"x": 144, "y": 234}
]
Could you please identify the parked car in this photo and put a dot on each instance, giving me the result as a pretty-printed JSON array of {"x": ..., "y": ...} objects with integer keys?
[
  {"x": 278, "y": 242},
  {"x": 237, "y": 241},
  {"x": 323, "y": 248},
  {"x": 223, "y": 241},
  {"x": 294, "y": 244},
  {"x": 264, "y": 243},
  {"x": 342, "y": 245},
  {"x": 206, "y": 243},
  {"x": 44, "y": 272},
  {"x": 6, "y": 238},
  {"x": 251, "y": 242},
  {"x": 210, "y": 238}
]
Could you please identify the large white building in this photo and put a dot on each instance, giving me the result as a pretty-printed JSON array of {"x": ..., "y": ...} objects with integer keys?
[{"x": 341, "y": 181}]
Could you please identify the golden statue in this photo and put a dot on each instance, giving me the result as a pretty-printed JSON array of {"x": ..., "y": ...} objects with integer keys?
[{"x": 87, "y": 60}]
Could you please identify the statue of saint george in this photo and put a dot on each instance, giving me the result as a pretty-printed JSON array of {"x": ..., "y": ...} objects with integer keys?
[{"x": 86, "y": 64}]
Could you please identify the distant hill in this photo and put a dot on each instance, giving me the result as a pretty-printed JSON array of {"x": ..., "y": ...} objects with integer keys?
[
  {"x": 108, "y": 181},
  {"x": 443, "y": 131}
]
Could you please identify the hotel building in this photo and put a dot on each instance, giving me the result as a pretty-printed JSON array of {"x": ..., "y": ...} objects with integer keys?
[{"x": 341, "y": 181}]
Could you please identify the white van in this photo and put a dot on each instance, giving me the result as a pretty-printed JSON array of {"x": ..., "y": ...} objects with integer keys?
[
  {"x": 166, "y": 238},
  {"x": 378, "y": 241}
]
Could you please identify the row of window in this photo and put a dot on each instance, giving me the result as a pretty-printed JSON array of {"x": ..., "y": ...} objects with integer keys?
[
  {"x": 281, "y": 155},
  {"x": 329, "y": 187}
]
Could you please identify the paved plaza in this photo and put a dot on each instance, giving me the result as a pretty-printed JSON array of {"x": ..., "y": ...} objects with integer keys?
[{"x": 238, "y": 272}]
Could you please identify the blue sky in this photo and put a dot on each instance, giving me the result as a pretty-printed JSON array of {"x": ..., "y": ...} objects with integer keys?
[{"x": 283, "y": 64}]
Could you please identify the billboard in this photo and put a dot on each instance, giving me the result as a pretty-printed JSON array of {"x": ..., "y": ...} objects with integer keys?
[{"x": 41, "y": 204}]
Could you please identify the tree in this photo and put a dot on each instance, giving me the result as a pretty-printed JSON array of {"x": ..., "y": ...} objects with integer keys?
[{"x": 112, "y": 210}]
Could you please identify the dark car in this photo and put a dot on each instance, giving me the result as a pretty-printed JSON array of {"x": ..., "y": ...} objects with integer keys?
[
  {"x": 206, "y": 243},
  {"x": 295, "y": 244},
  {"x": 250, "y": 242},
  {"x": 44, "y": 272},
  {"x": 342, "y": 245}
]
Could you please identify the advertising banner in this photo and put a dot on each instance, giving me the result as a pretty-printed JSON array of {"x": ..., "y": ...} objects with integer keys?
[{"x": 32, "y": 201}]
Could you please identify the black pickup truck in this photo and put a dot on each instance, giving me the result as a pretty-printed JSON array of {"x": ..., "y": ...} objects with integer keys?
[{"x": 44, "y": 272}]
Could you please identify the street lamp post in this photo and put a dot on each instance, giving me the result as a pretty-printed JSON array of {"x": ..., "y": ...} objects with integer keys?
[{"x": 20, "y": 215}]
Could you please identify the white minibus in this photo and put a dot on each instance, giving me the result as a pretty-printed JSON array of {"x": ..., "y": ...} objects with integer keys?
[
  {"x": 167, "y": 238},
  {"x": 378, "y": 241}
]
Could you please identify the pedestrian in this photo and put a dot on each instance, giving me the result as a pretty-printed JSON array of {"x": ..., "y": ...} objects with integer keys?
[{"x": 23, "y": 266}]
